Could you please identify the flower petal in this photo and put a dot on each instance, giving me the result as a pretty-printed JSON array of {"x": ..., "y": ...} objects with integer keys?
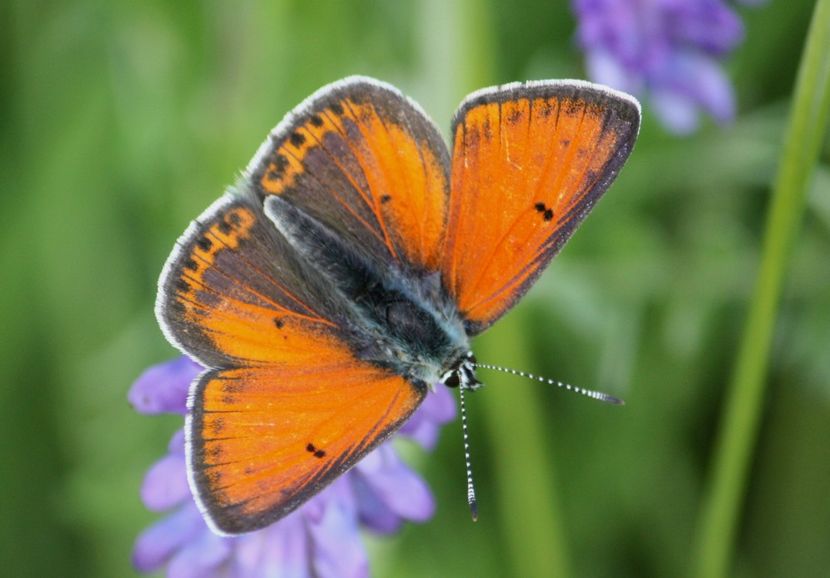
[
  {"x": 670, "y": 49},
  {"x": 399, "y": 488},
  {"x": 157, "y": 543},
  {"x": 605, "y": 69},
  {"x": 176, "y": 445},
  {"x": 711, "y": 26},
  {"x": 713, "y": 90},
  {"x": 249, "y": 550},
  {"x": 285, "y": 552},
  {"x": 165, "y": 484},
  {"x": 373, "y": 512},
  {"x": 437, "y": 409},
  {"x": 338, "y": 550},
  {"x": 163, "y": 388},
  {"x": 676, "y": 111},
  {"x": 199, "y": 557}
]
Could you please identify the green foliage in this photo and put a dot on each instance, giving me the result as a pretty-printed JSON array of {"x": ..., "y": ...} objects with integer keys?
[
  {"x": 742, "y": 411},
  {"x": 122, "y": 121}
]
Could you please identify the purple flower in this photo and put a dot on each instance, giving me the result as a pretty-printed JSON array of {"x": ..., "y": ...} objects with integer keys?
[
  {"x": 321, "y": 538},
  {"x": 668, "y": 49}
]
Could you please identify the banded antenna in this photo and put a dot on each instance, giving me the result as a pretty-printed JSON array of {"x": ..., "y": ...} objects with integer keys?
[
  {"x": 471, "y": 489},
  {"x": 598, "y": 395}
]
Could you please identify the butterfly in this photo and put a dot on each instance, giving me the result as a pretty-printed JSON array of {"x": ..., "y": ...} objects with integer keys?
[{"x": 346, "y": 271}]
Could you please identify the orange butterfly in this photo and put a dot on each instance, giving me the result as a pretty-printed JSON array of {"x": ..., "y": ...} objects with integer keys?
[{"x": 346, "y": 271}]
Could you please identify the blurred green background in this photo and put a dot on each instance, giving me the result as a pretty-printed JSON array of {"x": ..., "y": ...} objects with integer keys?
[{"x": 121, "y": 121}]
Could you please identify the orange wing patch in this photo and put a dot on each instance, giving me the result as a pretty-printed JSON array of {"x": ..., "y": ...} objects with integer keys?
[
  {"x": 370, "y": 166},
  {"x": 222, "y": 302},
  {"x": 263, "y": 440},
  {"x": 528, "y": 163}
]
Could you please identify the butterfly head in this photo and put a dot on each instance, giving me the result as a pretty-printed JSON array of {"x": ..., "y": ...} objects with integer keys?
[{"x": 462, "y": 373}]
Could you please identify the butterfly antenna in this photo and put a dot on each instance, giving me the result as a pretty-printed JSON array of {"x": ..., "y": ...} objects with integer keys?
[
  {"x": 598, "y": 395},
  {"x": 471, "y": 489}
]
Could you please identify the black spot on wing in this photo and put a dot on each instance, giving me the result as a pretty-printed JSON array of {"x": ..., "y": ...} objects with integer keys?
[
  {"x": 313, "y": 450},
  {"x": 277, "y": 168},
  {"x": 297, "y": 139},
  {"x": 281, "y": 163},
  {"x": 217, "y": 425},
  {"x": 513, "y": 116},
  {"x": 547, "y": 212}
]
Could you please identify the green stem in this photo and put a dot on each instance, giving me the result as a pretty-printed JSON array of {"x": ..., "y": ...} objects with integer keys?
[
  {"x": 742, "y": 412},
  {"x": 520, "y": 457}
]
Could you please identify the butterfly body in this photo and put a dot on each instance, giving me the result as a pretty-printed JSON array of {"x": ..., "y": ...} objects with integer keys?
[
  {"x": 402, "y": 320},
  {"x": 347, "y": 270}
]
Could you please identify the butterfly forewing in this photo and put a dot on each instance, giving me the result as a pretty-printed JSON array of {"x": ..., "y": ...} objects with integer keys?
[
  {"x": 365, "y": 161},
  {"x": 234, "y": 285},
  {"x": 529, "y": 160}
]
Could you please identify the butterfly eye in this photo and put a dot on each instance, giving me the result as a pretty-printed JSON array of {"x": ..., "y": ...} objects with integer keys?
[{"x": 452, "y": 380}]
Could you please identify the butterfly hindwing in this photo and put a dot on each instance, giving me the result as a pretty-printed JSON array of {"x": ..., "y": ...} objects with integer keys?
[
  {"x": 262, "y": 440},
  {"x": 365, "y": 161},
  {"x": 528, "y": 163}
]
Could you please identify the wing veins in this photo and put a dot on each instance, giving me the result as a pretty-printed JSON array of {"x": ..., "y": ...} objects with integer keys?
[
  {"x": 375, "y": 208},
  {"x": 337, "y": 198},
  {"x": 267, "y": 277}
]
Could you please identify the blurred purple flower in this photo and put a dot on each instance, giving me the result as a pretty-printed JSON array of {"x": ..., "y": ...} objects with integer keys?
[
  {"x": 321, "y": 538},
  {"x": 669, "y": 50}
]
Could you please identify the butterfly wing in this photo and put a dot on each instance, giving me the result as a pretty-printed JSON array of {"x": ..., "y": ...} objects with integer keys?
[
  {"x": 233, "y": 284},
  {"x": 286, "y": 378},
  {"x": 366, "y": 162},
  {"x": 262, "y": 440},
  {"x": 528, "y": 163}
]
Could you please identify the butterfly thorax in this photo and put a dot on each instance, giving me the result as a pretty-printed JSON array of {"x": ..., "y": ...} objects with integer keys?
[{"x": 411, "y": 336}]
